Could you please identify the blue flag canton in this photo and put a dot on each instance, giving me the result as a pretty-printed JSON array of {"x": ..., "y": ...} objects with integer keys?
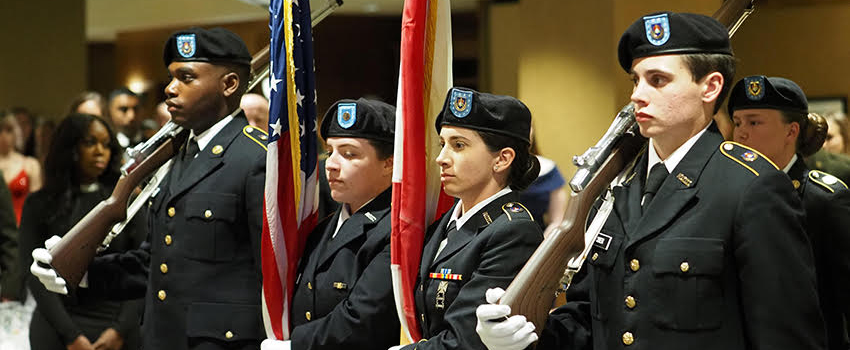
[{"x": 305, "y": 88}]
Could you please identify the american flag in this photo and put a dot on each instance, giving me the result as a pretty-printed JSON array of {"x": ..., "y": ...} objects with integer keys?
[
  {"x": 291, "y": 181},
  {"x": 425, "y": 76}
]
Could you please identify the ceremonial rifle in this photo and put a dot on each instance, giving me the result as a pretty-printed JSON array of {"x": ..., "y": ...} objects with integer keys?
[
  {"x": 535, "y": 287},
  {"x": 93, "y": 233}
]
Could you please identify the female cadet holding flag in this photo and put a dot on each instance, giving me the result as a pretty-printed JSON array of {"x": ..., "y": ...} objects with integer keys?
[
  {"x": 343, "y": 292},
  {"x": 487, "y": 236},
  {"x": 771, "y": 115}
]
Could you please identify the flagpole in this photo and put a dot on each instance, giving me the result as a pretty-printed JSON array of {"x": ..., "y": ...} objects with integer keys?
[{"x": 260, "y": 62}]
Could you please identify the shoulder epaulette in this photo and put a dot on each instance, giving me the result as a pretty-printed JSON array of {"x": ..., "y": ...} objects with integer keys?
[
  {"x": 260, "y": 136},
  {"x": 516, "y": 210},
  {"x": 747, "y": 157},
  {"x": 827, "y": 181}
]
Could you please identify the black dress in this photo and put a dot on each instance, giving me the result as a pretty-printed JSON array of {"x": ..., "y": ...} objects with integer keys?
[{"x": 59, "y": 319}]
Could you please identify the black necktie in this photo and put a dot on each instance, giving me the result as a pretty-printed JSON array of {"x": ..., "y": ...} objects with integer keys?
[
  {"x": 653, "y": 182},
  {"x": 451, "y": 229},
  {"x": 181, "y": 162}
]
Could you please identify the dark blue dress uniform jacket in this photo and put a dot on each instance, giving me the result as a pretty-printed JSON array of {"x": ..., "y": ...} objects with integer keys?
[
  {"x": 719, "y": 261},
  {"x": 827, "y": 206},
  {"x": 201, "y": 262},
  {"x": 486, "y": 252},
  {"x": 344, "y": 296}
]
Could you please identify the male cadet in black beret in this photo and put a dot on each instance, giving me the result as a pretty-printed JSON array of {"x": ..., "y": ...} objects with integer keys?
[
  {"x": 771, "y": 115},
  {"x": 704, "y": 251},
  {"x": 199, "y": 270},
  {"x": 343, "y": 295}
]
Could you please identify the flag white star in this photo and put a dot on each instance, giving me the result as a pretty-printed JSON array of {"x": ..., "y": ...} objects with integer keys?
[
  {"x": 276, "y": 128},
  {"x": 274, "y": 81},
  {"x": 300, "y": 96},
  {"x": 301, "y": 129},
  {"x": 295, "y": 2}
]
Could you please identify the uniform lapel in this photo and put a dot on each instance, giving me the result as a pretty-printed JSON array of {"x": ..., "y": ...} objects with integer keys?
[
  {"x": 433, "y": 242},
  {"x": 799, "y": 173},
  {"x": 679, "y": 188},
  {"x": 627, "y": 197},
  {"x": 475, "y": 224},
  {"x": 357, "y": 225},
  {"x": 207, "y": 160}
]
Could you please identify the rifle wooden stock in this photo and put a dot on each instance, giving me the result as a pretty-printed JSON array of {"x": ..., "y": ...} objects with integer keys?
[
  {"x": 73, "y": 254},
  {"x": 533, "y": 289}
]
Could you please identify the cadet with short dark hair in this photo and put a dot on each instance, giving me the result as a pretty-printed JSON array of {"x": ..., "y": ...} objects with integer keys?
[
  {"x": 771, "y": 115},
  {"x": 199, "y": 269},
  {"x": 343, "y": 297},
  {"x": 704, "y": 247}
]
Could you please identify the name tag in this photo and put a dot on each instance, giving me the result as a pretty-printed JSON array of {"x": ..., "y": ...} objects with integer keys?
[{"x": 602, "y": 241}]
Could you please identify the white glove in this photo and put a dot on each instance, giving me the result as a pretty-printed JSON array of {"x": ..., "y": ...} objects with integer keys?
[
  {"x": 274, "y": 344},
  {"x": 515, "y": 333},
  {"x": 47, "y": 276}
]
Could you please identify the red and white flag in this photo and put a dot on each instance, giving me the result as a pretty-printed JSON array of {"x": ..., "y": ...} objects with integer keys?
[{"x": 425, "y": 76}]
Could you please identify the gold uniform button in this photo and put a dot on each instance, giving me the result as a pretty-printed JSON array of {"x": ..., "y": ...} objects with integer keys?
[
  {"x": 634, "y": 265},
  {"x": 228, "y": 334},
  {"x": 309, "y": 286},
  {"x": 595, "y": 256},
  {"x": 684, "y": 266},
  {"x": 171, "y": 212},
  {"x": 630, "y": 302},
  {"x": 161, "y": 295},
  {"x": 308, "y": 315},
  {"x": 217, "y": 149},
  {"x": 163, "y": 267},
  {"x": 628, "y": 338},
  {"x": 167, "y": 239},
  {"x": 208, "y": 213}
]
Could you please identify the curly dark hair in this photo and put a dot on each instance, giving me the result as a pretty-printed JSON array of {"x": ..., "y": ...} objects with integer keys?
[{"x": 61, "y": 163}]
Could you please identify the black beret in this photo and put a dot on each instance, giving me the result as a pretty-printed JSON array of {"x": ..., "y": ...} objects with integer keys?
[
  {"x": 216, "y": 45},
  {"x": 666, "y": 33},
  {"x": 758, "y": 91},
  {"x": 498, "y": 114},
  {"x": 367, "y": 119}
]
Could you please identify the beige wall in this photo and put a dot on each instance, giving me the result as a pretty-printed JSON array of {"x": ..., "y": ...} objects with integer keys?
[
  {"x": 43, "y": 64},
  {"x": 560, "y": 58},
  {"x": 807, "y": 44}
]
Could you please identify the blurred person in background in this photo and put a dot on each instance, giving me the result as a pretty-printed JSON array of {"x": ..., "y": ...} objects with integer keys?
[
  {"x": 43, "y": 136},
  {"x": 26, "y": 120},
  {"x": 10, "y": 281},
  {"x": 162, "y": 115},
  {"x": 88, "y": 102},
  {"x": 21, "y": 173},
  {"x": 256, "y": 108},
  {"x": 82, "y": 168},
  {"x": 546, "y": 197},
  {"x": 123, "y": 108},
  {"x": 837, "y": 135}
]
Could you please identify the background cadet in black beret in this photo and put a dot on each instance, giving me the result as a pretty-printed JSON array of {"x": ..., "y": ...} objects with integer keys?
[
  {"x": 199, "y": 270},
  {"x": 704, "y": 251},
  {"x": 343, "y": 295},
  {"x": 488, "y": 235},
  {"x": 771, "y": 115}
]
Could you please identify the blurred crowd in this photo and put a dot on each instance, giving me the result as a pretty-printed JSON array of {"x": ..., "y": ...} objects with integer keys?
[{"x": 66, "y": 166}]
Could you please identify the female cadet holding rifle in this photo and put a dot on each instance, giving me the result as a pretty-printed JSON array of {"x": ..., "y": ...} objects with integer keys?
[
  {"x": 487, "y": 236},
  {"x": 771, "y": 115}
]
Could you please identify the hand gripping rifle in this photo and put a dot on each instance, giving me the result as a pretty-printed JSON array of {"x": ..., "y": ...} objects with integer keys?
[
  {"x": 534, "y": 288},
  {"x": 94, "y": 232}
]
